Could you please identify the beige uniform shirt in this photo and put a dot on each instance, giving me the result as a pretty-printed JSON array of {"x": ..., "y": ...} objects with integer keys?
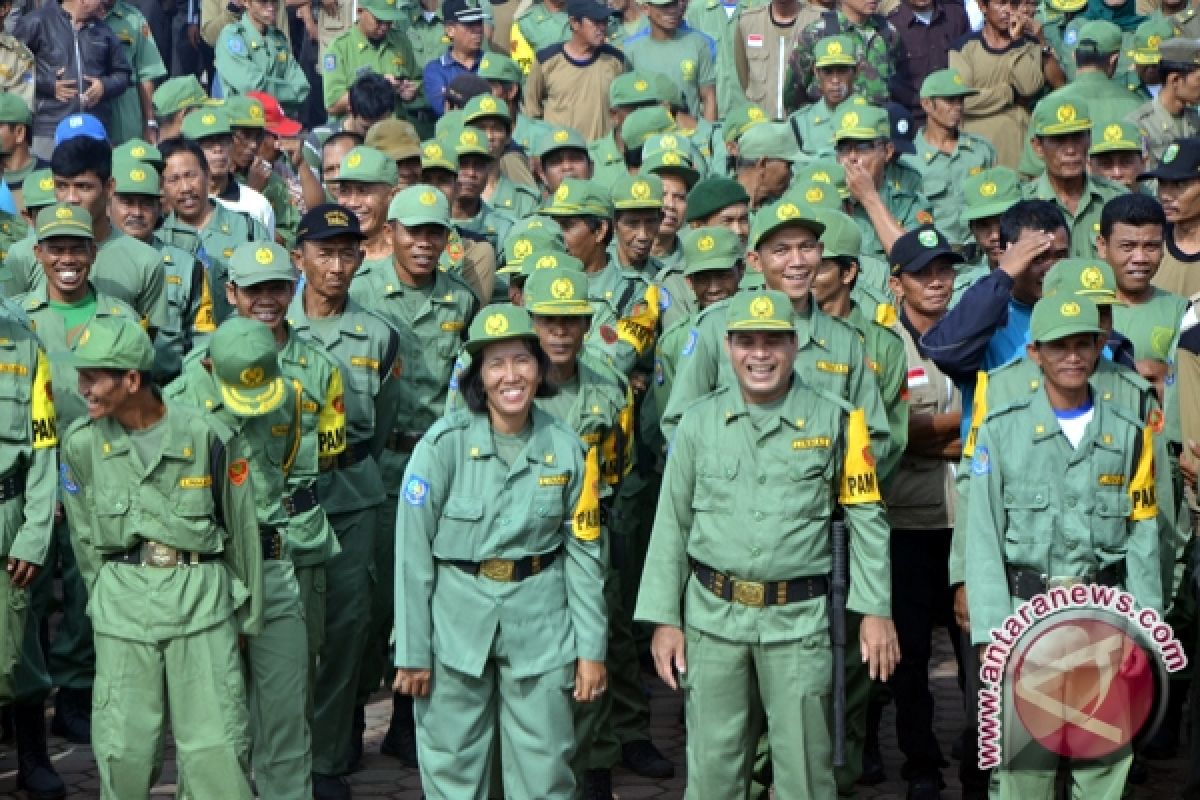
[{"x": 1002, "y": 78}]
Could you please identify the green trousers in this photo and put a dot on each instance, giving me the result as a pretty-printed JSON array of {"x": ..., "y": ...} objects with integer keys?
[
  {"x": 732, "y": 690},
  {"x": 596, "y": 741},
  {"x": 1095, "y": 779},
  {"x": 858, "y": 695},
  {"x": 71, "y": 657},
  {"x": 457, "y": 722},
  {"x": 349, "y": 583},
  {"x": 196, "y": 681},
  {"x": 634, "y": 519},
  {"x": 311, "y": 582},
  {"x": 376, "y": 659},
  {"x": 13, "y": 611}
]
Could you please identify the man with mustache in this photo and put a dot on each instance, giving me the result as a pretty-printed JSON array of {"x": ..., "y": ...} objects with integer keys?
[{"x": 835, "y": 69}]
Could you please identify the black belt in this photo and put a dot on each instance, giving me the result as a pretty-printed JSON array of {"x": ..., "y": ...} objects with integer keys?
[
  {"x": 1174, "y": 449},
  {"x": 403, "y": 441},
  {"x": 149, "y": 553},
  {"x": 507, "y": 570},
  {"x": 1026, "y": 583},
  {"x": 272, "y": 543},
  {"x": 354, "y": 453},
  {"x": 759, "y": 593},
  {"x": 300, "y": 501},
  {"x": 12, "y": 487}
]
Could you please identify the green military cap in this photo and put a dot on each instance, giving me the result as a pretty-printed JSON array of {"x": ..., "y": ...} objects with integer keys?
[
  {"x": 577, "y": 197},
  {"x": 1092, "y": 278},
  {"x": 1060, "y": 116},
  {"x": 244, "y": 112},
  {"x": 783, "y": 213},
  {"x": 670, "y": 91},
  {"x": 946, "y": 83},
  {"x": 640, "y": 125},
  {"x": 435, "y": 156},
  {"x": 1099, "y": 36},
  {"x": 253, "y": 263},
  {"x": 519, "y": 247},
  {"x": 550, "y": 260},
  {"x": 1114, "y": 137},
  {"x": 712, "y": 247},
  {"x": 484, "y": 106},
  {"x": 135, "y": 177},
  {"x": 177, "y": 94},
  {"x": 499, "y": 323},
  {"x": 499, "y": 67},
  {"x": 834, "y": 51},
  {"x": 815, "y": 194},
  {"x": 245, "y": 362},
  {"x": 62, "y": 219},
  {"x": 471, "y": 141},
  {"x": 713, "y": 194},
  {"x": 741, "y": 119},
  {"x": 1181, "y": 51},
  {"x": 823, "y": 172},
  {"x": 631, "y": 192},
  {"x": 990, "y": 193},
  {"x": 540, "y": 226},
  {"x": 138, "y": 150},
  {"x": 396, "y": 138},
  {"x": 671, "y": 162},
  {"x": 367, "y": 165},
  {"x": 38, "y": 189},
  {"x": 862, "y": 123},
  {"x": 1147, "y": 39},
  {"x": 774, "y": 140},
  {"x": 115, "y": 342},
  {"x": 632, "y": 89},
  {"x": 768, "y": 310},
  {"x": 558, "y": 293},
  {"x": 14, "y": 110},
  {"x": 558, "y": 137},
  {"x": 205, "y": 122},
  {"x": 384, "y": 10},
  {"x": 1057, "y": 318},
  {"x": 449, "y": 125},
  {"x": 420, "y": 204},
  {"x": 842, "y": 237}
]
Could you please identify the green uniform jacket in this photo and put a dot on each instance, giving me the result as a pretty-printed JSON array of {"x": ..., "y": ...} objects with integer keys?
[
  {"x": 517, "y": 199},
  {"x": 140, "y": 48},
  {"x": 1037, "y": 503},
  {"x": 886, "y": 357},
  {"x": 189, "y": 310},
  {"x": 901, "y": 193},
  {"x": 461, "y": 502},
  {"x": 676, "y": 300},
  {"x": 617, "y": 294},
  {"x": 1085, "y": 222},
  {"x": 352, "y": 54},
  {"x": 709, "y": 511},
  {"x": 247, "y": 60},
  {"x": 198, "y": 495},
  {"x": 943, "y": 175}
]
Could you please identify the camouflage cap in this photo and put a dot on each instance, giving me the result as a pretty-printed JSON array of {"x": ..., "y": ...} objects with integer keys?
[
  {"x": 420, "y": 204},
  {"x": 13, "y": 110},
  {"x": 177, "y": 94},
  {"x": 768, "y": 310},
  {"x": 841, "y": 237},
  {"x": 62, "y": 219},
  {"x": 1061, "y": 115},
  {"x": 245, "y": 112},
  {"x": 253, "y": 263},
  {"x": 115, "y": 342},
  {"x": 364, "y": 164},
  {"x": 640, "y": 125},
  {"x": 38, "y": 189},
  {"x": 138, "y": 150},
  {"x": 1092, "y": 278},
  {"x": 204, "y": 123},
  {"x": 499, "y": 67},
  {"x": 862, "y": 123},
  {"x": 834, "y": 51},
  {"x": 558, "y": 137},
  {"x": 713, "y": 247},
  {"x": 771, "y": 140},
  {"x": 558, "y": 293},
  {"x": 1099, "y": 36},
  {"x": 135, "y": 177},
  {"x": 946, "y": 83},
  {"x": 632, "y": 89},
  {"x": 1057, "y": 318},
  {"x": 396, "y": 138},
  {"x": 577, "y": 197},
  {"x": 245, "y": 362},
  {"x": 435, "y": 156},
  {"x": 1147, "y": 39},
  {"x": 486, "y": 106},
  {"x": 990, "y": 193},
  {"x": 740, "y": 119},
  {"x": 1115, "y": 136},
  {"x": 631, "y": 192},
  {"x": 498, "y": 323},
  {"x": 783, "y": 214}
]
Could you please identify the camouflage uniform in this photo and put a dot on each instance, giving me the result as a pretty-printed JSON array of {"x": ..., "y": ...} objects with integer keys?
[{"x": 877, "y": 50}]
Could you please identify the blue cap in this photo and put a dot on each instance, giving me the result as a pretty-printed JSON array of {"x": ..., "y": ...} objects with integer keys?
[{"x": 79, "y": 125}]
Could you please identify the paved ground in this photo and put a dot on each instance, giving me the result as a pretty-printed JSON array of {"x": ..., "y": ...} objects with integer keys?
[{"x": 382, "y": 778}]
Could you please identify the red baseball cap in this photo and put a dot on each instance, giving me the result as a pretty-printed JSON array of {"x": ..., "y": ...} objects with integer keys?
[{"x": 278, "y": 123}]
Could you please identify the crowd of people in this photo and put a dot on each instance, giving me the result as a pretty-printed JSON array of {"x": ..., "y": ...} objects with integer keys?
[{"x": 509, "y": 356}]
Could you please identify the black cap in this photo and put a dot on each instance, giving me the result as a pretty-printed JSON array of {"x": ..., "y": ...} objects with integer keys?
[
  {"x": 327, "y": 221},
  {"x": 1179, "y": 162},
  {"x": 463, "y": 87},
  {"x": 913, "y": 251},
  {"x": 462, "y": 11},
  {"x": 589, "y": 9},
  {"x": 904, "y": 130}
]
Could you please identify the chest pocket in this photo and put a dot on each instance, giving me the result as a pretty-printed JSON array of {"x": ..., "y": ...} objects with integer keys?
[
  {"x": 548, "y": 507},
  {"x": 807, "y": 487},
  {"x": 14, "y": 400},
  {"x": 936, "y": 189},
  {"x": 460, "y": 520},
  {"x": 758, "y": 67},
  {"x": 715, "y": 480},
  {"x": 361, "y": 376},
  {"x": 1111, "y": 509},
  {"x": 1026, "y": 508}
]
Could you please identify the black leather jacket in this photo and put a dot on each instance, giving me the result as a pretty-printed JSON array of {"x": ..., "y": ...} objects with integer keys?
[{"x": 92, "y": 51}]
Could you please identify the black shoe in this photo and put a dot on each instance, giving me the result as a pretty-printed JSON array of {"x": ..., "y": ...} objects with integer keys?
[
  {"x": 73, "y": 715},
  {"x": 643, "y": 758},
  {"x": 35, "y": 772},
  {"x": 597, "y": 784},
  {"x": 925, "y": 788},
  {"x": 357, "y": 729},
  {"x": 401, "y": 738},
  {"x": 330, "y": 787},
  {"x": 872, "y": 766}
]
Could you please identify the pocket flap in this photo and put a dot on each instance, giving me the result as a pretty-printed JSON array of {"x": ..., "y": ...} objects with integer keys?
[{"x": 467, "y": 508}]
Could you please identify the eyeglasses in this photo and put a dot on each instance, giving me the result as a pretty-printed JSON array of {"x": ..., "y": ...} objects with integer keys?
[{"x": 857, "y": 146}]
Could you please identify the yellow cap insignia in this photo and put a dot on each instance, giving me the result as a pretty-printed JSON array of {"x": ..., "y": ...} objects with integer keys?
[
  {"x": 138, "y": 152},
  {"x": 640, "y": 86},
  {"x": 1092, "y": 278},
  {"x": 428, "y": 198},
  {"x": 1112, "y": 134},
  {"x": 957, "y": 79},
  {"x": 46, "y": 184},
  {"x": 561, "y": 136},
  {"x": 562, "y": 192},
  {"x": 433, "y": 150},
  {"x": 252, "y": 377},
  {"x": 337, "y": 219},
  {"x": 354, "y": 160},
  {"x": 821, "y": 177},
  {"x": 546, "y": 262},
  {"x": 814, "y": 195},
  {"x": 1153, "y": 41},
  {"x": 522, "y": 248},
  {"x": 705, "y": 244},
  {"x": 988, "y": 189},
  {"x": 640, "y": 190},
  {"x": 671, "y": 159},
  {"x": 208, "y": 119},
  {"x": 64, "y": 213},
  {"x": 137, "y": 174},
  {"x": 833, "y": 49},
  {"x": 762, "y": 308},
  {"x": 787, "y": 211},
  {"x": 495, "y": 325},
  {"x": 755, "y": 114},
  {"x": 1066, "y": 113},
  {"x": 468, "y": 137},
  {"x": 263, "y": 255},
  {"x": 487, "y": 104},
  {"x": 850, "y": 120},
  {"x": 562, "y": 289},
  {"x": 256, "y": 112},
  {"x": 83, "y": 339},
  {"x": 669, "y": 142},
  {"x": 1070, "y": 309}
]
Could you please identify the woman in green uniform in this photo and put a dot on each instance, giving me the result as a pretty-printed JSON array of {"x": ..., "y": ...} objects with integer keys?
[{"x": 500, "y": 613}]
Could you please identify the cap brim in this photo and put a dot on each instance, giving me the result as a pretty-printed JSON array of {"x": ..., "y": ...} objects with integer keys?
[
  {"x": 813, "y": 226},
  {"x": 72, "y": 359},
  {"x": 1114, "y": 147},
  {"x": 469, "y": 17},
  {"x": 1065, "y": 128},
  {"x": 285, "y": 127},
  {"x": 970, "y": 214},
  {"x": 254, "y": 402},
  {"x": 964, "y": 91},
  {"x": 257, "y": 278},
  {"x": 416, "y": 221},
  {"x": 328, "y": 233},
  {"x": 1146, "y": 60},
  {"x": 903, "y": 146},
  {"x": 563, "y": 308},
  {"x": 1167, "y": 172},
  {"x": 709, "y": 265},
  {"x": 1063, "y": 331},
  {"x": 474, "y": 346},
  {"x": 690, "y": 176},
  {"x": 927, "y": 256},
  {"x": 769, "y": 326},
  {"x": 838, "y": 61}
]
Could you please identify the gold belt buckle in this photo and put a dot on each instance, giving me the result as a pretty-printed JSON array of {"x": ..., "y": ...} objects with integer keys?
[
  {"x": 498, "y": 569},
  {"x": 157, "y": 554},
  {"x": 750, "y": 593},
  {"x": 1063, "y": 581}
]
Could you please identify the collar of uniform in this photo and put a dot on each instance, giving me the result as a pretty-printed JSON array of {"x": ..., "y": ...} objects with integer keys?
[
  {"x": 1044, "y": 191},
  {"x": 254, "y": 39},
  {"x": 813, "y": 326},
  {"x": 788, "y": 412},
  {"x": 482, "y": 444},
  {"x": 293, "y": 349}
]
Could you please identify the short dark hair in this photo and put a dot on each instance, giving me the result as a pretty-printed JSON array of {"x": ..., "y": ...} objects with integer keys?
[
  {"x": 1088, "y": 57},
  {"x": 1168, "y": 68},
  {"x": 372, "y": 97},
  {"x": 176, "y": 145},
  {"x": 472, "y": 378},
  {"x": 354, "y": 137},
  {"x": 1134, "y": 209},
  {"x": 1031, "y": 215},
  {"x": 82, "y": 154}
]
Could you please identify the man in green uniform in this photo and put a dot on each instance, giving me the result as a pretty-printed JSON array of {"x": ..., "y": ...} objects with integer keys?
[
  {"x": 834, "y": 69},
  {"x": 946, "y": 156},
  {"x": 133, "y": 109},
  {"x": 491, "y": 117},
  {"x": 365, "y": 184},
  {"x": 367, "y": 352},
  {"x": 254, "y": 54},
  {"x": 986, "y": 197},
  {"x": 680, "y": 53},
  {"x": 1172, "y": 113},
  {"x": 720, "y": 201},
  {"x": 375, "y": 43},
  {"x": 752, "y": 618},
  {"x": 876, "y": 50},
  {"x": 197, "y": 555},
  {"x": 240, "y": 383},
  {"x": 627, "y": 93},
  {"x": 674, "y": 169},
  {"x": 172, "y": 100},
  {"x": 506, "y": 79},
  {"x": 1116, "y": 153},
  {"x": 1062, "y": 128}
]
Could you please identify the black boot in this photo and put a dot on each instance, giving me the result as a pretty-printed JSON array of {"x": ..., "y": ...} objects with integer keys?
[
  {"x": 401, "y": 738},
  {"x": 35, "y": 773},
  {"x": 597, "y": 784},
  {"x": 644, "y": 758},
  {"x": 73, "y": 715}
]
